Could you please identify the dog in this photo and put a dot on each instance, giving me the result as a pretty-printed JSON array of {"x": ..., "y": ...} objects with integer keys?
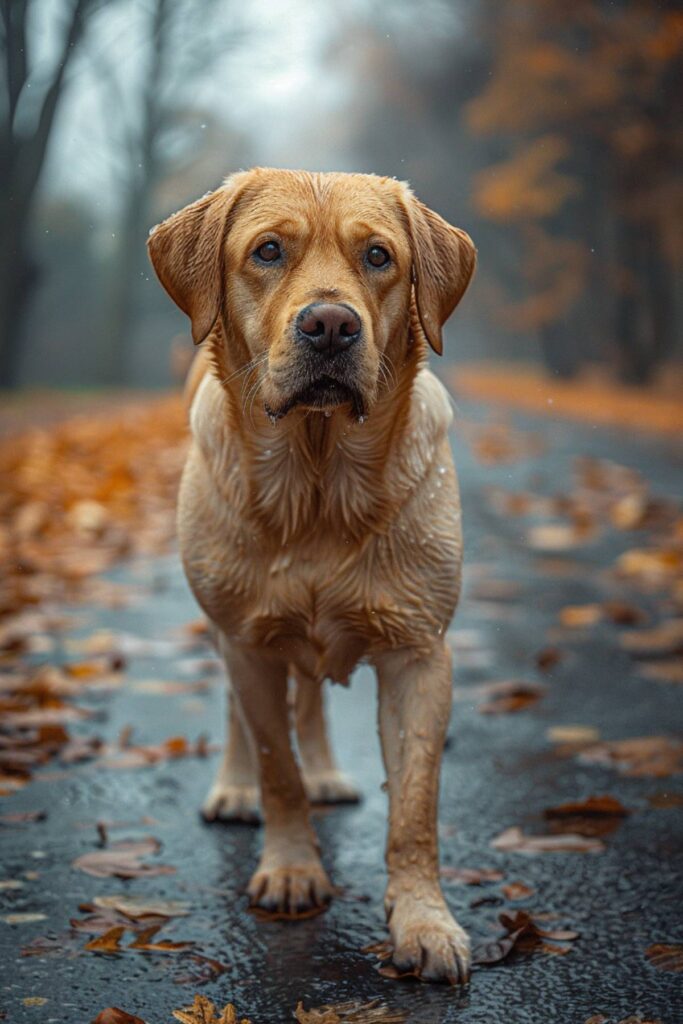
[{"x": 319, "y": 516}]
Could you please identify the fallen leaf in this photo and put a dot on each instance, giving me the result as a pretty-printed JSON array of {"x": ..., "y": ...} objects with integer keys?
[
  {"x": 138, "y": 906},
  {"x": 666, "y": 957},
  {"x": 662, "y": 801},
  {"x": 622, "y": 613},
  {"x": 112, "y": 1015},
  {"x": 547, "y": 658},
  {"x": 34, "y": 1000},
  {"x": 668, "y": 671},
  {"x": 203, "y": 1011},
  {"x": 559, "y": 536},
  {"x": 517, "y": 891},
  {"x": 110, "y": 942},
  {"x": 572, "y": 734},
  {"x": 22, "y": 918},
  {"x": 641, "y": 756},
  {"x": 205, "y": 970},
  {"x": 653, "y": 565},
  {"x": 661, "y": 640},
  {"x": 522, "y": 932},
  {"x": 595, "y": 816},
  {"x": 123, "y": 859},
  {"x": 350, "y": 1013},
  {"x": 471, "y": 876},
  {"x": 22, "y": 817},
  {"x": 513, "y": 840},
  {"x": 578, "y": 616},
  {"x": 144, "y": 938},
  {"x": 507, "y": 695}
]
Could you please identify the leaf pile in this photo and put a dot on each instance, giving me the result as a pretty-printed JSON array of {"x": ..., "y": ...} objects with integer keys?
[{"x": 77, "y": 496}]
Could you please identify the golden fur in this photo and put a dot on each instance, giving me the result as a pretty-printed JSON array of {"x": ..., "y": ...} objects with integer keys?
[{"x": 315, "y": 531}]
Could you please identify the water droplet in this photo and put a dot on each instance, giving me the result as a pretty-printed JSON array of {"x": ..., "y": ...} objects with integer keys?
[{"x": 328, "y": 413}]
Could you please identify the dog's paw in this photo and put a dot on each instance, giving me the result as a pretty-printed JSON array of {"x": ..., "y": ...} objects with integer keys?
[
  {"x": 330, "y": 787},
  {"x": 430, "y": 943},
  {"x": 229, "y": 802},
  {"x": 291, "y": 889}
]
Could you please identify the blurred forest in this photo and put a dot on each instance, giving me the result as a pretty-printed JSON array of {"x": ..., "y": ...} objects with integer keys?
[{"x": 551, "y": 132}]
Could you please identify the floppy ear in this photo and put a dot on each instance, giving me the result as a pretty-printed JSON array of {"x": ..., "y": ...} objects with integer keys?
[
  {"x": 444, "y": 259},
  {"x": 186, "y": 251}
]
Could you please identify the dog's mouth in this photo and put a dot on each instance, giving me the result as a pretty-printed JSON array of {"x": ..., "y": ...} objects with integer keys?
[{"x": 324, "y": 393}]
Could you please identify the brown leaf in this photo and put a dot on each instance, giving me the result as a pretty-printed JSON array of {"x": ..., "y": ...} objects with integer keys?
[
  {"x": 112, "y": 1015},
  {"x": 144, "y": 937},
  {"x": 513, "y": 840},
  {"x": 138, "y": 906},
  {"x": 521, "y": 932},
  {"x": 623, "y": 614},
  {"x": 577, "y": 616},
  {"x": 22, "y": 817},
  {"x": 517, "y": 891},
  {"x": 471, "y": 876},
  {"x": 203, "y": 1011},
  {"x": 547, "y": 658},
  {"x": 110, "y": 942},
  {"x": 123, "y": 859},
  {"x": 595, "y": 816},
  {"x": 666, "y": 957},
  {"x": 668, "y": 671},
  {"x": 205, "y": 970},
  {"x": 641, "y": 756},
  {"x": 350, "y": 1013},
  {"x": 662, "y": 801},
  {"x": 661, "y": 640},
  {"x": 508, "y": 695}
]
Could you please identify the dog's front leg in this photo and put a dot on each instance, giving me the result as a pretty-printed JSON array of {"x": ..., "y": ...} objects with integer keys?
[
  {"x": 290, "y": 877},
  {"x": 414, "y": 707}
]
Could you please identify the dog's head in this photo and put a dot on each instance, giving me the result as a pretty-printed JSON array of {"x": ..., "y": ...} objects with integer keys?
[{"x": 315, "y": 279}]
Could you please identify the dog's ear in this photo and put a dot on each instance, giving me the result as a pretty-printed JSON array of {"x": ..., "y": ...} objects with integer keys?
[
  {"x": 444, "y": 259},
  {"x": 186, "y": 251}
]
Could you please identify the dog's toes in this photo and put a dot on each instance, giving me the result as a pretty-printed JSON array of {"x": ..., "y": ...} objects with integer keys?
[
  {"x": 228, "y": 802},
  {"x": 330, "y": 787},
  {"x": 434, "y": 950},
  {"x": 290, "y": 889}
]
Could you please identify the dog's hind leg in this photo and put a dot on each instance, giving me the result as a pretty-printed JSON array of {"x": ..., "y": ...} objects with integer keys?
[
  {"x": 415, "y": 692},
  {"x": 324, "y": 782},
  {"x": 234, "y": 795}
]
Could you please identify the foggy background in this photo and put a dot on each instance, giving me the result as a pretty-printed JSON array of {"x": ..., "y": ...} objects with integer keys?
[{"x": 550, "y": 132}]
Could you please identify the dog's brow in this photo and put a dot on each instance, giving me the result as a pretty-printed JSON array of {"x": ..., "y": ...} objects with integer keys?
[{"x": 284, "y": 224}]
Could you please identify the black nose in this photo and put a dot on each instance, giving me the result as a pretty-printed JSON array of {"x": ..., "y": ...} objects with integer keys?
[{"x": 328, "y": 327}]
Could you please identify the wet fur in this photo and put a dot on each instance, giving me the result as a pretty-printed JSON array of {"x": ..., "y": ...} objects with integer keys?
[{"x": 315, "y": 540}]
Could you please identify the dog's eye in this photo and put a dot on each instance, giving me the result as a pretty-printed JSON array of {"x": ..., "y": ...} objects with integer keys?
[
  {"x": 269, "y": 252},
  {"x": 377, "y": 256}
]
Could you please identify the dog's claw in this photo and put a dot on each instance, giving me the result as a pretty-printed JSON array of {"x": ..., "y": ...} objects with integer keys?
[
  {"x": 229, "y": 802},
  {"x": 330, "y": 787},
  {"x": 290, "y": 889},
  {"x": 431, "y": 945}
]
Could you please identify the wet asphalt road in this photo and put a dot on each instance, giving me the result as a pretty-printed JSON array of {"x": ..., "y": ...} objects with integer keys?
[{"x": 499, "y": 771}]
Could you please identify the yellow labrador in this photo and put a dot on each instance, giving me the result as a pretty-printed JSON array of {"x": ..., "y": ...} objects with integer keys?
[{"x": 319, "y": 517}]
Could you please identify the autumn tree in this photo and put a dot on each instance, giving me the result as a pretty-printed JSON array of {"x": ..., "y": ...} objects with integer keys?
[
  {"x": 587, "y": 102},
  {"x": 156, "y": 130}
]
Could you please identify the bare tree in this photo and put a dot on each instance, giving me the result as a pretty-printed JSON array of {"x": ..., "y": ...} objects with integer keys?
[
  {"x": 22, "y": 157},
  {"x": 155, "y": 128}
]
